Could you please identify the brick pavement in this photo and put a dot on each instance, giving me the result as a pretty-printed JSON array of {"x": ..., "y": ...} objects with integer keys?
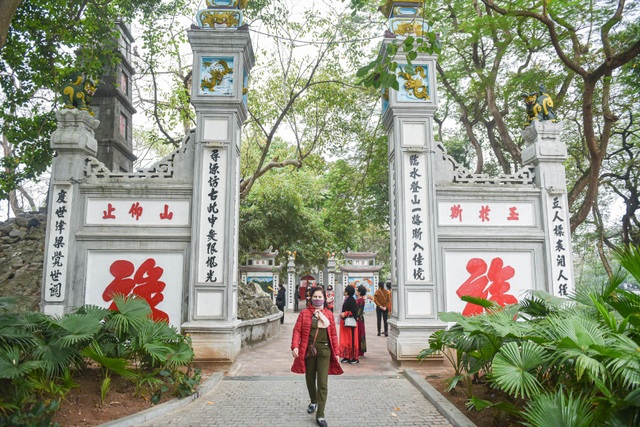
[{"x": 260, "y": 390}]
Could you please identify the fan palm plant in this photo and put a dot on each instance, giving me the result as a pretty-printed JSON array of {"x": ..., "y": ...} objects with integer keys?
[{"x": 576, "y": 361}]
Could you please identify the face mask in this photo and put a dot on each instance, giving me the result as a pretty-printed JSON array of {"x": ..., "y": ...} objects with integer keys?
[{"x": 317, "y": 303}]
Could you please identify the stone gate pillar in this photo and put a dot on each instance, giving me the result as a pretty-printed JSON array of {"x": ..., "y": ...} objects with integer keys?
[
  {"x": 546, "y": 152},
  {"x": 222, "y": 59},
  {"x": 408, "y": 118},
  {"x": 73, "y": 141},
  {"x": 292, "y": 295}
]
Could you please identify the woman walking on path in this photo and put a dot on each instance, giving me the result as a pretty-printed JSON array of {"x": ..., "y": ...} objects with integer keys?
[
  {"x": 348, "y": 335},
  {"x": 313, "y": 346},
  {"x": 362, "y": 336}
]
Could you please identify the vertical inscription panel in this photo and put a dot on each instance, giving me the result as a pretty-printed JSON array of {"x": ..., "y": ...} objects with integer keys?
[
  {"x": 561, "y": 268},
  {"x": 416, "y": 219},
  {"x": 212, "y": 208},
  {"x": 58, "y": 244}
]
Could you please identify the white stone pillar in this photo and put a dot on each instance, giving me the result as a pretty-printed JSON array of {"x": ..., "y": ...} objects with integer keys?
[
  {"x": 222, "y": 60},
  {"x": 547, "y": 153},
  {"x": 408, "y": 119},
  {"x": 291, "y": 285},
  {"x": 72, "y": 141}
]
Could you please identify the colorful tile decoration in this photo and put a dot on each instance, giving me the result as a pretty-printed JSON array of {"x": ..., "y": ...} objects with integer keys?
[
  {"x": 216, "y": 75},
  {"x": 219, "y": 19},
  {"x": 414, "y": 87}
]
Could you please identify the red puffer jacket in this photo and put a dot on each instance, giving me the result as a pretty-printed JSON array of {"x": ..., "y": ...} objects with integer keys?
[{"x": 300, "y": 339}]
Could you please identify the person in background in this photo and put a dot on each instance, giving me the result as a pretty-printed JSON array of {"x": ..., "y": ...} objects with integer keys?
[
  {"x": 316, "y": 326},
  {"x": 348, "y": 349},
  {"x": 362, "y": 336},
  {"x": 381, "y": 300},
  {"x": 281, "y": 301},
  {"x": 390, "y": 310},
  {"x": 296, "y": 299},
  {"x": 331, "y": 296}
]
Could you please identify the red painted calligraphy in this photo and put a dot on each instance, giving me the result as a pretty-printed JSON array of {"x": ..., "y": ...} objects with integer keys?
[
  {"x": 456, "y": 212},
  {"x": 145, "y": 283},
  {"x": 166, "y": 214},
  {"x": 513, "y": 214},
  {"x": 484, "y": 213},
  {"x": 496, "y": 277},
  {"x": 108, "y": 214},
  {"x": 136, "y": 210}
]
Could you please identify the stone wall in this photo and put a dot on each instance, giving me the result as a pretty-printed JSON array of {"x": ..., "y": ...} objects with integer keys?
[{"x": 21, "y": 259}]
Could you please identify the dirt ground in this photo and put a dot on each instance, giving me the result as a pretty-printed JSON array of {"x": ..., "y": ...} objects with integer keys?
[
  {"x": 82, "y": 406},
  {"x": 458, "y": 397}
]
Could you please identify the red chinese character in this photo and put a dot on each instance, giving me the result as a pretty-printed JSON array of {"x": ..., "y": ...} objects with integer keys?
[
  {"x": 136, "y": 210},
  {"x": 166, "y": 214},
  {"x": 513, "y": 215},
  {"x": 145, "y": 284},
  {"x": 476, "y": 285},
  {"x": 484, "y": 213},
  {"x": 108, "y": 214},
  {"x": 456, "y": 212}
]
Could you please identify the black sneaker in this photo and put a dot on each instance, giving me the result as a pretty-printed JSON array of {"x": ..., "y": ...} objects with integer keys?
[
  {"x": 321, "y": 422},
  {"x": 354, "y": 361},
  {"x": 345, "y": 360},
  {"x": 312, "y": 408}
]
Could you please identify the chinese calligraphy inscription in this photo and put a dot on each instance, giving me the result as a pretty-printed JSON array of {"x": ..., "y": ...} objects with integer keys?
[
  {"x": 210, "y": 254},
  {"x": 486, "y": 213},
  {"x": 58, "y": 244},
  {"x": 144, "y": 282},
  {"x": 138, "y": 212},
  {"x": 491, "y": 284},
  {"x": 416, "y": 219},
  {"x": 561, "y": 271}
]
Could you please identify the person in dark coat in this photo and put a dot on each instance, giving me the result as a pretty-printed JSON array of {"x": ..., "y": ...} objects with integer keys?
[
  {"x": 316, "y": 326},
  {"x": 348, "y": 335},
  {"x": 281, "y": 301}
]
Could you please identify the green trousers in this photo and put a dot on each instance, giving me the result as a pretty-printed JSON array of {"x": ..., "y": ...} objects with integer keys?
[{"x": 317, "y": 377}]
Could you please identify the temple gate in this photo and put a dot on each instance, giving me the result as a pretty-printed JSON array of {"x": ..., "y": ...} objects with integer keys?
[{"x": 170, "y": 233}]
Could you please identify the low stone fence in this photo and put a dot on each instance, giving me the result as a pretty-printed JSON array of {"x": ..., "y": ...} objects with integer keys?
[{"x": 254, "y": 331}]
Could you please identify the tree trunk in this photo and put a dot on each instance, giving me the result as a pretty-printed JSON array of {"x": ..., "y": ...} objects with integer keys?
[{"x": 8, "y": 8}]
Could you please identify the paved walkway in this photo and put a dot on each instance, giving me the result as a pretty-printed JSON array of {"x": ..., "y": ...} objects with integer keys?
[{"x": 260, "y": 390}]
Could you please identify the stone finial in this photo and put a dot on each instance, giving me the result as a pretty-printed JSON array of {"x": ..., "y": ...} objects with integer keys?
[{"x": 75, "y": 132}]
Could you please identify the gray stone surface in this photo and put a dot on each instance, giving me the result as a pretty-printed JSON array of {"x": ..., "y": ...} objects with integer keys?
[
  {"x": 21, "y": 259},
  {"x": 282, "y": 401}
]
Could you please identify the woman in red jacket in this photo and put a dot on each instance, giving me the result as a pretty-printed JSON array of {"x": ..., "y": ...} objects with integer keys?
[{"x": 316, "y": 327}]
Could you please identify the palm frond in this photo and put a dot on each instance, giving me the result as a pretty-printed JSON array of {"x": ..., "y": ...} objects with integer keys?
[
  {"x": 55, "y": 356},
  {"x": 12, "y": 366},
  {"x": 554, "y": 409},
  {"x": 131, "y": 315},
  {"x": 514, "y": 367},
  {"x": 114, "y": 364},
  {"x": 99, "y": 313},
  {"x": 181, "y": 355},
  {"x": 629, "y": 258},
  {"x": 79, "y": 327}
]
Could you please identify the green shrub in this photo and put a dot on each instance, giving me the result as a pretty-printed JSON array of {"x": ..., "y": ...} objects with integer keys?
[
  {"x": 574, "y": 361},
  {"x": 39, "y": 355}
]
